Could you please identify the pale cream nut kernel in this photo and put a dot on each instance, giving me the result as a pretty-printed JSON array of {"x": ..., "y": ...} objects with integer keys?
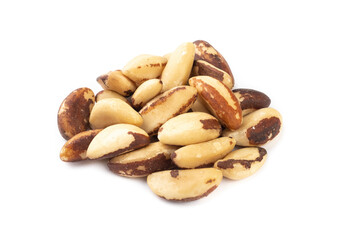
[
  {"x": 242, "y": 163},
  {"x": 145, "y": 92},
  {"x": 109, "y": 94},
  {"x": 116, "y": 81},
  {"x": 111, "y": 111},
  {"x": 203, "y": 154},
  {"x": 184, "y": 185}
]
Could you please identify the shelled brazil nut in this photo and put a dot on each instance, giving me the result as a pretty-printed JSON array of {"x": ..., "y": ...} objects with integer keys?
[{"x": 176, "y": 119}]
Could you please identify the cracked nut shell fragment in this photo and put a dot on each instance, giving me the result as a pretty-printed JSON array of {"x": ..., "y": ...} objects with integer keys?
[
  {"x": 75, "y": 148},
  {"x": 189, "y": 128},
  {"x": 219, "y": 99},
  {"x": 242, "y": 163},
  {"x": 116, "y": 140},
  {"x": 144, "y": 161},
  {"x": 74, "y": 112},
  {"x": 167, "y": 105},
  {"x": 258, "y": 128},
  {"x": 184, "y": 185}
]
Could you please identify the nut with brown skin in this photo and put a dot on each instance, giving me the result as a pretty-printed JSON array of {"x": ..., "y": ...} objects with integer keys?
[
  {"x": 144, "y": 161},
  {"x": 111, "y": 111},
  {"x": 145, "y": 92},
  {"x": 251, "y": 100},
  {"x": 167, "y": 105},
  {"x": 242, "y": 163},
  {"x": 258, "y": 128},
  {"x": 220, "y": 100},
  {"x": 203, "y": 154},
  {"x": 144, "y": 67},
  {"x": 74, "y": 112},
  {"x": 205, "y": 51},
  {"x": 118, "y": 82},
  {"x": 189, "y": 128},
  {"x": 75, "y": 148},
  {"x": 201, "y": 67},
  {"x": 178, "y": 69},
  {"x": 116, "y": 140},
  {"x": 184, "y": 185}
]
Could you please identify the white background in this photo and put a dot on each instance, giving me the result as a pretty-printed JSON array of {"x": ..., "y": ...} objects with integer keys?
[{"x": 297, "y": 52}]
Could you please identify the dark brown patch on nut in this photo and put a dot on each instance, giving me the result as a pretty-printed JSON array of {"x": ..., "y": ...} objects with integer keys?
[
  {"x": 174, "y": 173},
  {"x": 264, "y": 131},
  {"x": 229, "y": 163},
  {"x": 207, "y": 69},
  {"x": 210, "y": 180},
  {"x": 74, "y": 112},
  {"x": 252, "y": 99},
  {"x": 128, "y": 92},
  {"x": 141, "y": 168},
  {"x": 210, "y": 124}
]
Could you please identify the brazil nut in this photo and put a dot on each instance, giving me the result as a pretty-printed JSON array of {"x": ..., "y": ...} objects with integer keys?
[
  {"x": 145, "y": 92},
  {"x": 118, "y": 82},
  {"x": 203, "y": 154},
  {"x": 189, "y": 128},
  {"x": 184, "y": 185},
  {"x": 74, "y": 112},
  {"x": 258, "y": 128},
  {"x": 219, "y": 99},
  {"x": 144, "y": 161},
  {"x": 242, "y": 163},
  {"x": 167, "y": 105},
  {"x": 251, "y": 100}
]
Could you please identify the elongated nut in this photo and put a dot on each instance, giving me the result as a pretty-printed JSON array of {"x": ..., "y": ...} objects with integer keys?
[
  {"x": 145, "y": 92},
  {"x": 144, "y": 67},
  {"x": 144, "y": 161},
  {"x": 167, "y": 105},
  {"x": 219, "y": 99},
  {"x": 75, "y": 148},
  {"x": 251, "y": 100},
  {"x": 109, "y": 94},
  {"x": 242, "y": 163},
  {"x": 203, "y": 154},
  {"x": 205, "y": 51},
  {"x": 179, "y": 66},
  {"x": 111, "y": 111},
  {"x": 116, "y": 81},
  {"x": 116, "y": 140},
  {"x": 74, "y": 112},
  {"x": 258, "y": 128},
  {"x": 201, "y": 67},
  {"x": 184, "y": 185},
  {"x": 189, "y": 128}
]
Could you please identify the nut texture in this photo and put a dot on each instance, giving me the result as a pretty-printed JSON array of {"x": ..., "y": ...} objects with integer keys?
[
  {"x": 144, "y": 67},
  {"x": 116, "y": 81},
  {"x": 204, "y": 68},
  {"x": 73, "y": 114},
  {"x": 179, "y": 66},
  {"x": 258, "y": 128},
  {"x": 242, "y": 163},
  {"x": 167, "y": 105},
  {"x": 251, "y": 100},
  {"x": 203, "y": 154},
  {"x": 184, "y": 185},
  {"x": 189, "y": 128},
  {"x": 109, "y": 94},
  {"x": 145, "y": 92},
  {"x": 116, "y": 140},
  {"x": 219, "y": 100},
  {"x": 144, "y": 161},
  {"x": 111, "y": 111},
  {"x": 205, "y": 51},
  {"x": 75, "y": 148}
]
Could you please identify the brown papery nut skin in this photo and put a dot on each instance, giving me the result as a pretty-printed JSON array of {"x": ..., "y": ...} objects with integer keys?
[
  {"x": 220, "y": 100},
  {"x": 75, "y": 148},
  {"x": 205, "y": 51},
  {"x": 74, "y": 112},
  {"x": 251, "y": 100}
]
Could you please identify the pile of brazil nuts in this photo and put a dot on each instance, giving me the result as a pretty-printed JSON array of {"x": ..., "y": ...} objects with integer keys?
[{"x": 175, "y": 119}]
